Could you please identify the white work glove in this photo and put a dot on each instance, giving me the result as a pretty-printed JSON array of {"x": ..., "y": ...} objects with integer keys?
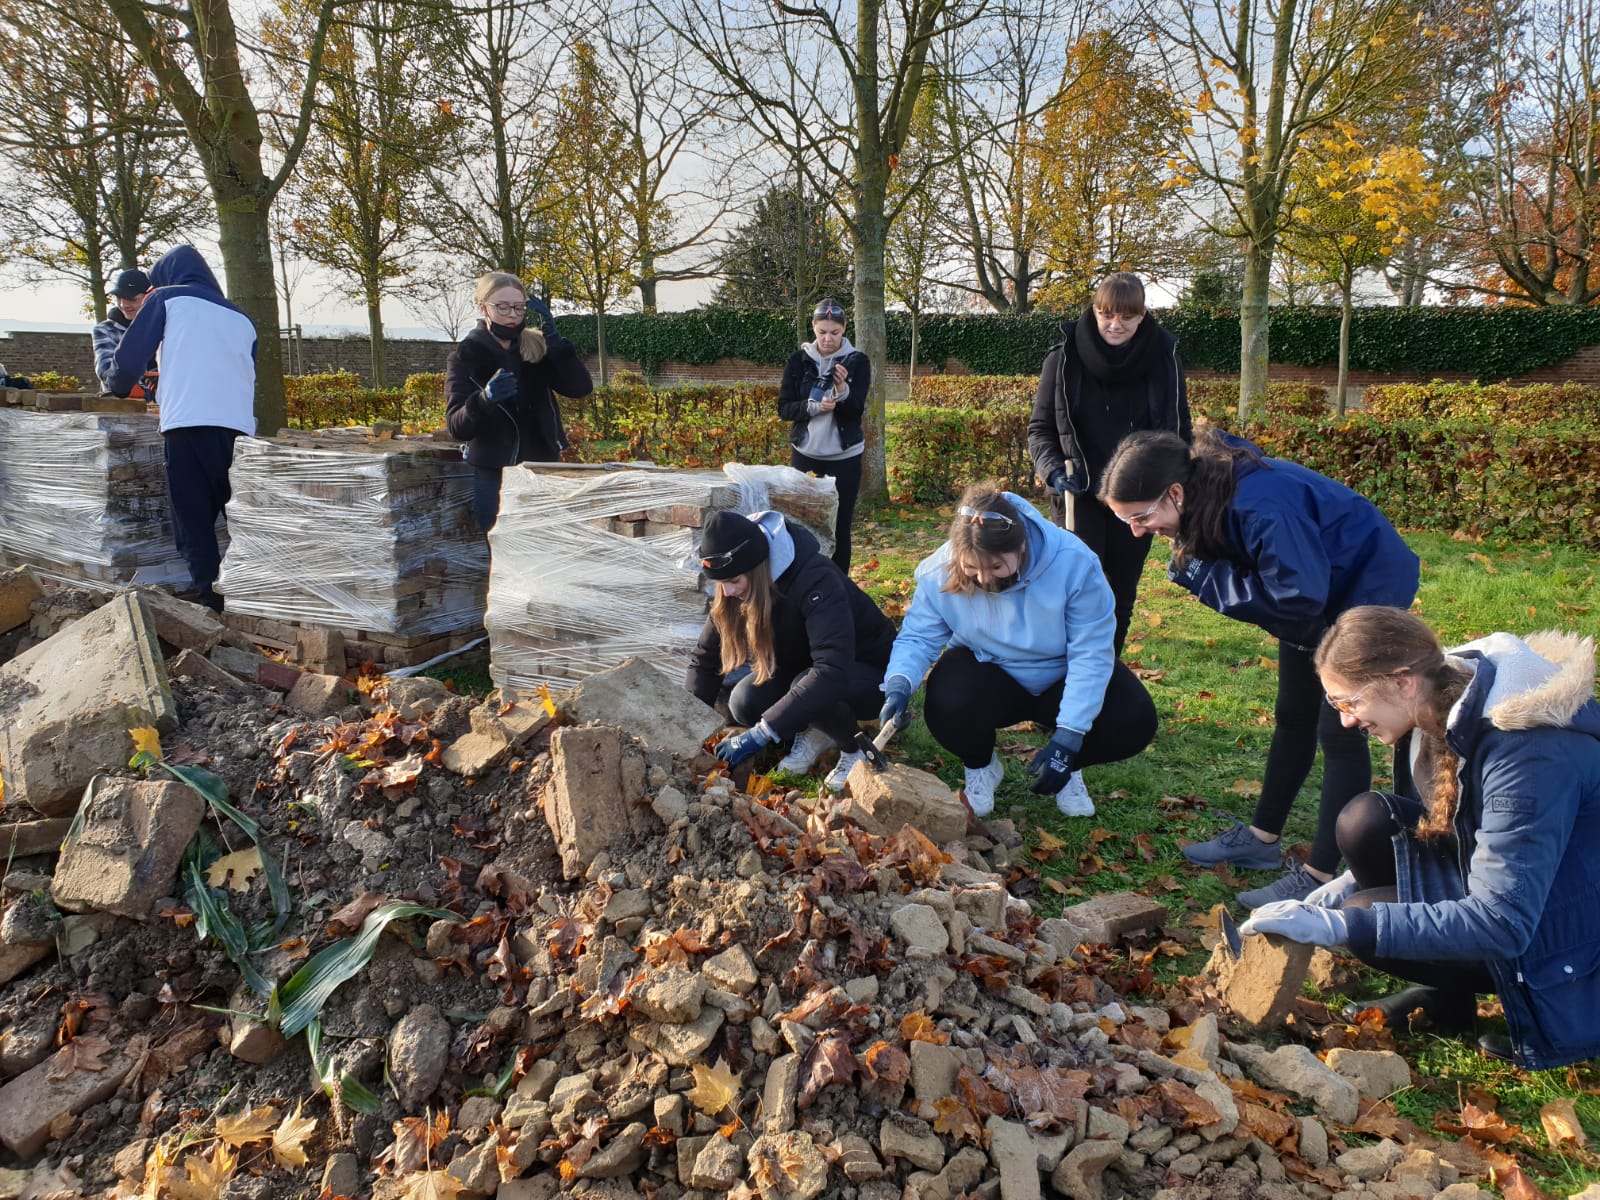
[
  {"x": 1300, "y": 922},
  {"x": 1335, "y": 892}
]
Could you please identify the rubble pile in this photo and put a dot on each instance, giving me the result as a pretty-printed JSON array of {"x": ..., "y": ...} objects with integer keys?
[
  {"x": 590, "y": 964},
  {"x": 83, "y": 495}
]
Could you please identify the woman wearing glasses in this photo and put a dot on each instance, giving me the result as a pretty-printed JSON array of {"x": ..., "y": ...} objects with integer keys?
[
  {"x": 1016, "y": 619},
  {"x": 498, "y": 386},
  {"x": 1116, "y": 371},
  {"x": 823, "y": 394},
  {"x": 1479, "y": 874},
  {"x": 1283, "y": 548},
  {"x": 793, "y": 645}
]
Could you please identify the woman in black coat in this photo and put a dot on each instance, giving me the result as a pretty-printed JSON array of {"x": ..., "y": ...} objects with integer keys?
[
  {"x": 498, "y": 386},
  {"x": 1115, "y": 372}
]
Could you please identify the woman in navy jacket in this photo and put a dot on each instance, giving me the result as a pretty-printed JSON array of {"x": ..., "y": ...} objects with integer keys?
[
  {"x": 1482, "y": 872},
  {"x": 498, "y": 385},
  {"x": 1271, "y": 543}
]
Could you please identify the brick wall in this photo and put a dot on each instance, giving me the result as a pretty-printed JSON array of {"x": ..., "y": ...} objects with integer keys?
[{"x": 26, "y": 352}]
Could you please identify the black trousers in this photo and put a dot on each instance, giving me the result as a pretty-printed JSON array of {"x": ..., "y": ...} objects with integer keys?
[
  {"x": 1120, "y": 552},
  {"x": 197, "y": 459},
  {"x": 968, "y": 700},
  {"x": 750, "y": 699},
  {"x": 1302, "y": 718},
  {"x": 486, "y": 496},
  {"x": 846, "y": 476}
]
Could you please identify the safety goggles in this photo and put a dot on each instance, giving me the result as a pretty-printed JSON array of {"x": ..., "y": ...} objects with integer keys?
[
  {"x": 1140, "y": 518},
  {"x": 985, "y": 519},
  {"x": 828, "y": 312},
  {"x": 715, "y": 562},
  {"x": 1346, "y": 704}
]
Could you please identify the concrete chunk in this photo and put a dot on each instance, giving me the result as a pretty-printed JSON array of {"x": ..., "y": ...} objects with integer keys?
[
  {"x": 592, "y": 801},
  {"x": 1295, "y": 1069},
  {"x": 127, "y": 853},
  {"x": 31, "y": 1103},
  {"x": 649, "y": 705},
  {"x": 515, "y": 724},
  {"x": 66, "y": 705},
  {"x": 474, "y": 754},
  {"x": 21, "y": 838},
  {"x": 1376, "y": 1073},
  {"x": 1112, "y": 916},
  {"x": 901, "y": 795},
  {"x": 319, "y": 695},
  {"x": 18, "y": 590},
  {"x": 190, "y": 664},
  {"x": 179, "y": 623},
  {"x": 1261, "y": 984}
]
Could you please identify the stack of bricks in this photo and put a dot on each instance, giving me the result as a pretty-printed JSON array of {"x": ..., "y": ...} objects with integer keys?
[
  {"x": 83, "y": 496},
  {"x": 370, "y": 536},
  {"x": 36, "y": 401},
  {"x": 592, "y": 566}
]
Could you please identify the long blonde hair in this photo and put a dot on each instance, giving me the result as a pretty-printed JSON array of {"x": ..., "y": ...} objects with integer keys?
[
  {"x": 1372, "y": 643},
  {"x": 745, "y": 626},
  {"x": 530, "y": 345}
]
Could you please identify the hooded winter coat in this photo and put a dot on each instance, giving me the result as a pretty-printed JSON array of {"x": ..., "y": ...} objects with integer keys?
[
  {"x": 821, "y": 624},
  {"x": 526, "y": 428},
  {"x": 1056, "y": 622},
  {"x": 1520, "y": 888},
  {"x": 208, "y": 348},
  {"x": 1306, "y": 548}
]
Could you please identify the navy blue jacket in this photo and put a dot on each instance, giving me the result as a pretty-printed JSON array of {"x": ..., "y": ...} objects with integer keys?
[
  {"x": 1304, "y": 549},
  {"x": 1526, "y": 900},
  {"x": 526, "y": 428}
]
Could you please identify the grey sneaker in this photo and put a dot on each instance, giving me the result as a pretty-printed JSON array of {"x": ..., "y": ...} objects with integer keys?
[
  {"x": 1294, "y": 884},
  {"x": 1237, "y": 846}
]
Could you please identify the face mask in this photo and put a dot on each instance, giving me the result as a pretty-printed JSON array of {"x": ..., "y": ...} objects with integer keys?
[{"x": 509, "y": 333}]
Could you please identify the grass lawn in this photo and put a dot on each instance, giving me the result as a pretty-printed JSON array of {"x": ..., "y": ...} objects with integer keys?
[{"x": 1214, "y": 682}]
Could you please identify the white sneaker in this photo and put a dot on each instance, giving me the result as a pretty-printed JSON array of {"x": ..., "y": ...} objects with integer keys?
[
  {"x": 841, "y": 772},
  {"x": 804, "y": 751},
  {"x": 980, "y": 786},
  {"x": 1074, "y": 799}
]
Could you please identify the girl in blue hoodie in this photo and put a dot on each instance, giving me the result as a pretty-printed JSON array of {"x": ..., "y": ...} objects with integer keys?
[{"x": 1017, "y": 621}]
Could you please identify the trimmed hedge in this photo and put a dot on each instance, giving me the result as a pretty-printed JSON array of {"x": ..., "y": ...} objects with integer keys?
[
  {"x": 1491, "y": 342},
  {"x": 1524, "y": 407}
]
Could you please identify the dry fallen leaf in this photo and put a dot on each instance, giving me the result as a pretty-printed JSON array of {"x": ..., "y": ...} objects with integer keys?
[
  {"x": 1246, "y": 787},
  {"x": 146, "y": 741},
  {"x": 918, "y": 1026},
  {"x": 204, "y": 1178},
  {"x": 235, "y": 870},
  {"x": 288, "y": 1142},
  {"x": 1560, "y": 1121},
  {"x": 85, "y": 1053},
  {"x": 240, "y": 1129},
  {"x": 714, "y": 1087},
  {"x": 431, "y": 1185}
]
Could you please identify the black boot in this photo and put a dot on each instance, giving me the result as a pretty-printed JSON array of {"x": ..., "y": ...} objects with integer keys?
[{"x": 1444, "y": 1012}]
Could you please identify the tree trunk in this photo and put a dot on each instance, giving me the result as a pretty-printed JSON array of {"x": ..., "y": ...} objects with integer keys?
[
  {"x": 647, "y": 276},
  {"x": 911, "y": 369},
  {"x": 872, "y": 339},
  {"x": 1347, "y": 285},
  {"x": 1253, "y": 321},
  {"x": 375, "y": 335},
  {"x": 600, "y": 341},
  {"x": 97, "y": 288},
  {"x": 246, "y": 244}
]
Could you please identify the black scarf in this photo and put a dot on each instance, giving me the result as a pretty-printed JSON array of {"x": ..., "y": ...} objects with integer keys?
[{"x": 1134, "y": 359}]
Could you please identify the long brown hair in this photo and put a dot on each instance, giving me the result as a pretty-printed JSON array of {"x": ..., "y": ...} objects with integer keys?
[
  {"x": 530, "y": 343},
  {"x": 1373, "y": 643},
  {"x": 745, "y": 625},
  {"x": 1147, "y": 463},
  {"x": 970, "y": 538}
]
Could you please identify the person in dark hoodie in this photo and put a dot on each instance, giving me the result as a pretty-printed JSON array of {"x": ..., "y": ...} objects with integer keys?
[
  {"x": 127, "y": 297},
  {"x": 208, "y": 385},
  {"x": 823, "y": 394},
  {"x": 1115, "y": 372},
  {"x": 1271, "y": 543},
  {"x": 498, "y": 387},
  {"x": 1479, "y": 872},
  {"x": 795, "y": 648}
]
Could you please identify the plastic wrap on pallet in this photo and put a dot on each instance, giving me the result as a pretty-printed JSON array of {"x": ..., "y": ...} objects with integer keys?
[
  {"x": 359, "y": 537},
  {"x": 83, "y": 497},
  {"x": 591, "y": 567}
]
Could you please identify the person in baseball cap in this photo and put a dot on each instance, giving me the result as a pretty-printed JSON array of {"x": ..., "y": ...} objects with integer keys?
[{"x": 127, "y": 296}]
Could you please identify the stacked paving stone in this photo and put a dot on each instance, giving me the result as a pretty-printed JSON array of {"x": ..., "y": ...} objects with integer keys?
[
  {"x": 83, "y": 496},
  {"x": 370, "y": 536},
  {"x": 593, "y": 566},
  {"x": 36, "y": 401}
]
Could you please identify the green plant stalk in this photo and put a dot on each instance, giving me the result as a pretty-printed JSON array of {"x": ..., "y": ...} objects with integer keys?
[{"x": 342, "y": 1088}]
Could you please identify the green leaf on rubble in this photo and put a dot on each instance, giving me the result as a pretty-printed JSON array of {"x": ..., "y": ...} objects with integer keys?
[
  {"x": 308, "y": 989},
  {"x": 214, "y": 917},
  {"x": 214, "y": 792},
  {"x": 338, "y": 1086}
]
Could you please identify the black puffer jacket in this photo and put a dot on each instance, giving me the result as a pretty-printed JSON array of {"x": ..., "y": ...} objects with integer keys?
[
  {"x": 526, "y": 428},
  {"x": 794, "y": 394},
  {"x": 821, "y": 624},
  {"x": 1092, "y": 395}
]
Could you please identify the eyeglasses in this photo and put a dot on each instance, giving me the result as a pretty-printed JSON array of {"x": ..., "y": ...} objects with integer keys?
[
  {"x": 715, "y": 562},
  {"x": 508, "y": 310},
  {"x": 828, "y": 312},
  {"x": 1346, "y": 704},
  {"x": 1140, "y": 518},
  {"x": 985, "y": 519}
]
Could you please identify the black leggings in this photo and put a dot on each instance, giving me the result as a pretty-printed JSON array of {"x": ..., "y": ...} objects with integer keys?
[
  {"x": 864, "y": 698},
  {"x": 1303, "y": 717},
  {"x": 968, "y": 700},
  {"x": 846, "y": 476},
  {"x": 1120, "y": 551},
  {"x": 1366, "y": 829}
]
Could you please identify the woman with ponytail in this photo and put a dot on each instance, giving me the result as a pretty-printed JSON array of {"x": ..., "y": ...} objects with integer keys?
[
  {"x": 498, "y": 386},
  {"x": 1481, "y": 871},
  {"x": 1283, "y": 548}
]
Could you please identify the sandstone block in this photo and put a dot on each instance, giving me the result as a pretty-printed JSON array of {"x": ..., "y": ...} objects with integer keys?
[
  {"x": 179, "y": 623},
  {"x": 21, "y": 838},
  {"x": 318, "y": 695},
  {"x": 193, "y": 665},
  {"x": 33, "y": 1102},
  {"x": 474, "y": 754},
  {"x": 1294, "y": 1068},
  {"x": 1114, "y": 915},
  {"x": 649, "y": 705},
  {"x": 1261, "y": 984},
  {"x": 901, "y": 795},
  {"x": 18, "y": 590},
  {"x": 515, "y": 724},
  {"x": 321, "y": 650},
  {"x": 589, "y": 803},
  {"x": 920, "y": 928},
  {"x": 126, "y": 855},
  {"x": 1376, "y": 1073}
]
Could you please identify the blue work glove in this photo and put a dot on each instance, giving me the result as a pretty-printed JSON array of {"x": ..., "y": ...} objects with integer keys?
[
  {"x": 501, "y": 387},
  {"x": 1055, "y": 762},
  {"x": 538, "y": 308},
  {"x": 896, "y": 695},
  {"x": 1335, "y": 892},
  {"x": 1057, "y": 482},
  {"x": 1300, "y": 922},
  {"x": 737, "y": 747}
]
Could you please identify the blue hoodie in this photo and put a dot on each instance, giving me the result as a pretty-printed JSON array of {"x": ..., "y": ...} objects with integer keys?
[
  {"x": 208, "y": 348},
  {"x": 1057, "y": 622}
]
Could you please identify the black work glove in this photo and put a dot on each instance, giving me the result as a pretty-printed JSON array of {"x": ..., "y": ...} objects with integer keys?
[
  {"x": 540, "y": 309},
  {"x": 501, "y": 387},
  {"x": 1057, "y": 482},
  {"x": 1053, "y": 764}
]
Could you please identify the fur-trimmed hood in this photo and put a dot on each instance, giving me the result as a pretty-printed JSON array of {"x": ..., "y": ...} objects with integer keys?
[{"x": 1543, "y": 681}]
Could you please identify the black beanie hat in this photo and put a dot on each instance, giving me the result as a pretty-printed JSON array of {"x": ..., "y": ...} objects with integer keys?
[{"x": 732, "y": 545}]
